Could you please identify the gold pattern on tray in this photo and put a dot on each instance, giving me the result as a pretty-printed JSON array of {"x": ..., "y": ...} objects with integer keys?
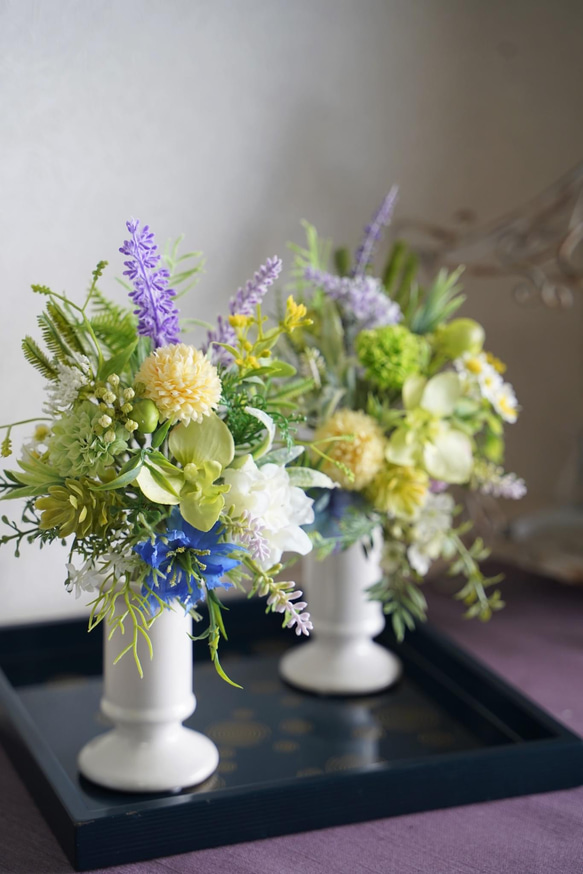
[
  {"x": 264, "y": 687},
  {"x": 346, "y": 763},
  {"x": 296, "y": 726},
  {"x": 291, "y": 701},
  {"x": 243, "y": 713},
  {"x": 227, "y": 767},
  {"x": 367, "y": 732},
  {"x": 438, "y": 739},
  {"x": 407, "y": 719},
  {"x": 286, "y": 746},
  {"x": 238, "y": 734},
  {"x": 309, "y": 772}
]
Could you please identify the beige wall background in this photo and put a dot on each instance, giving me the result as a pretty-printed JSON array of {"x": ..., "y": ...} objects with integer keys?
[{"x": 231, "y": 121}]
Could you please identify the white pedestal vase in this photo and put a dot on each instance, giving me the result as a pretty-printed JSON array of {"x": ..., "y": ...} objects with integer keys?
[
  {"x": 149, "y": 750},
  {"x": 341, "y": 657}
]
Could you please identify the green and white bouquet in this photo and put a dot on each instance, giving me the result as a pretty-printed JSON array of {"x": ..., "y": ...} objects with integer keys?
[
  {"x": 404, "y": 403},
  {"x": 163, "y": 466}
]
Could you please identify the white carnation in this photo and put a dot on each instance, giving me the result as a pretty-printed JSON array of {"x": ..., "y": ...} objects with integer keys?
[{"x": 267, "y": 494}]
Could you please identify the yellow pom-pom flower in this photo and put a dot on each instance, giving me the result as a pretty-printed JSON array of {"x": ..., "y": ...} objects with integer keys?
[
  {"x": 354, "y": 441},
  {"x": 181, "y": 381},
  {"x": 398, "y": 490}
]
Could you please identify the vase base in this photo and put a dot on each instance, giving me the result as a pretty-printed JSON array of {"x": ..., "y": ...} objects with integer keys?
[
  {"x": 160, "y": 764},
  {"x": 360, "y": 668}
]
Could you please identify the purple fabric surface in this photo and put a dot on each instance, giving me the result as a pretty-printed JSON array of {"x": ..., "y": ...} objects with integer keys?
[{"x": 537, "y": 644}]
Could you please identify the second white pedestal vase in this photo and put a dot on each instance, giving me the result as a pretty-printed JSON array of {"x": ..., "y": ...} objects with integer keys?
[
  {"x": 149, "y": 750},
  {"x": 341, "y": 657}
]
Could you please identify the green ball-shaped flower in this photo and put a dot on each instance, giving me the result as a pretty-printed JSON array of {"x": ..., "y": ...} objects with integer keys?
[
  {"x": 459, "y": 336},
  {"x": 391, "y": 354},
  {"x": 79, "y": 445}
]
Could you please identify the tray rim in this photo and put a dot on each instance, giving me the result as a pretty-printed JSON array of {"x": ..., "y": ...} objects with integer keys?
[{"x": 542, "y": 764}]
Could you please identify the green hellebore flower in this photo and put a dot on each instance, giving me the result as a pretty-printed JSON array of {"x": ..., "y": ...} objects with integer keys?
[
  {"x": 426, "y": 439},
  {"x": 203, "y": 449}
]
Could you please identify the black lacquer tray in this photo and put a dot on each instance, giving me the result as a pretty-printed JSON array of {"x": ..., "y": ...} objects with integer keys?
[{"x": 450, "y": 733}]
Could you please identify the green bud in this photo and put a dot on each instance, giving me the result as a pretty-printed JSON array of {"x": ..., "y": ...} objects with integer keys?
[
  {"x": 494, "y": 448},
  {"x": 459, "y": 336},
  {"x": 145, "y": 413},
  {"x": 113, "y": 380}
]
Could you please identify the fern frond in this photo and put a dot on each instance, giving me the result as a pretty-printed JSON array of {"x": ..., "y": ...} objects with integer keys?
[
  {"x": 66, "y": 328},
  {"x": 35, "y": 356},
  {"x": 114, "y": 325},
  {"x": 53, "y": 340}
]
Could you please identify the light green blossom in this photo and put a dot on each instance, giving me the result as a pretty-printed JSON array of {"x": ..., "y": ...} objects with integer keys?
[
  {"x": 426, "y": 438},
  {"x": 76, "y": 448},
  {"x": 203, "y": 449}
]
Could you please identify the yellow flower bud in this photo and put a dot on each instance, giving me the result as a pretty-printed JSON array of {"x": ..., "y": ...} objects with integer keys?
[
  {"x": 41, "y": 432},
  {"x": 240, "y": 321}
]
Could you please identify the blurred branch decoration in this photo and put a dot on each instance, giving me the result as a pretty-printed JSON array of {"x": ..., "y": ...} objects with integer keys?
[{"x": 541, "y": 244}]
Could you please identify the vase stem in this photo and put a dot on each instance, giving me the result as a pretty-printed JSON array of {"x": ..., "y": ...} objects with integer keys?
[
  {"x": 149, "y": 750},
  {"x": 341, "y": 657}
]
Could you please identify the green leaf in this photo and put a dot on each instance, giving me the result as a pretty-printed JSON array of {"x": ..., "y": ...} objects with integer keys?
[
  {"x": 117, "y": 363},
  {"x": 129, "y": 472}
]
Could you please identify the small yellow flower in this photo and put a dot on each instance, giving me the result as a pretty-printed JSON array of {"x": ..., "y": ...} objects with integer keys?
[
  {"x": 494, "y": 362},
  {"x": 474, "y": 364},
  {"x": 181, "y": 381},
  {"x": 41, "y": 432},
  {"x": 361, "y": 455},
  {"x": 295, "y": 315},
  {"x": 398, "y": 490},
  {"x": 240, "y": 321}
]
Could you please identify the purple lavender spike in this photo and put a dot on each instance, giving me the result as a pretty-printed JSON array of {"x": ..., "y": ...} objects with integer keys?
[
  {"x": 362, "y": 298},
  {"x": 156, "y": 311},
  {"x": 373, "y": 233},
  {"x": 243, "y": 302}
]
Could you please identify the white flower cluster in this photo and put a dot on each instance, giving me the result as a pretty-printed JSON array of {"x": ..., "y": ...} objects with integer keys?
[
  {"x": 107, "y": 568},
  {"x": 430, "y": 531},
  {"x": 481, "y": 379},
  {"x": 63, "y": 392},
  {"x": 267, "y": 495},
  {"x": 491, "y": 480}
]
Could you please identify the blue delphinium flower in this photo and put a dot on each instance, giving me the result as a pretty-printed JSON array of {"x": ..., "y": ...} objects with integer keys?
[
  {"x": 156, "y": 311},
  {"x": 330, "y": 506},
  {"x": 181, "y": 559}
]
